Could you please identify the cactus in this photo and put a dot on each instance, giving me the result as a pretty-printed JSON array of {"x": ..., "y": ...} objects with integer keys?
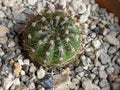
[{"x": 52, "y": 39}]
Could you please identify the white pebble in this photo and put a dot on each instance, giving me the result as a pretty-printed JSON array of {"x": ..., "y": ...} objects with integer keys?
[
  {"x": 2, "y": 15},
  {"x": 96, "y": 43},
  {"x": 40, "y": 73},
  {"x": 3, "y": 30}
]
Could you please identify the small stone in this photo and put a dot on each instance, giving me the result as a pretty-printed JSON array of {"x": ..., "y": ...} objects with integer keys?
[
  {"x": 112, "y": 77},
  {"x": 21, "y": 87},
  {"x": 116, "y": 86},
  {"x": 102, "y": 74},
  {"x": 1, "y": 52},
  {"x": 3, "y": 30},
  {"x": 40, "y": 73},
  {"x": 104, "y": 58},
  {"x": 112, "y": 50},
  {"x": 20, "y": 17},
  {"x": 93, "y": 35},
  {"x": 103, "y": 83},
  {"x": 24, "y": 78},
  {"x": 62, "y": 3},
  {"x": 31, "y": 2},
  {"x": 106, "y": 88},
  {"x": 105, "y": 46},
  {"x": 8, "y": 82},
  {"x": 3, "y": 39},
  {"x": 31, "y": 86},
  {"x": 17, "y": 69},
  {"x": 20, "y": 61},
  {"x": 112, "y": 40},
  {"x": 96, "y": 43},
  {"x": 26, "y": 61},
  {"x": 87, "y": 85},
  {"x": 109, "y": 70},
  {"x": 46, "y": 82},
  {"x": 72, "y": 85},
  {"x": 32, "y": 68},
  {"x": 16, "y": 81},
  {"x": 92, "y": 76},
  {"x": 25, "y": 68},
  {"x": 9, "y": 3},
  {"x": 22, "y": 72},
  {"x": 79, "y": 7},
  {"x": 11, "y": 44},
  {"x": 2, "y": 15},
  {"x": 118, "y": 61},
  {"x": 75, "y": 81},
  {"x": 78, "y": 69}
]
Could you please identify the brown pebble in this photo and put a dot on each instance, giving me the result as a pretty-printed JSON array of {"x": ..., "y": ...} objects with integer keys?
[
  {"x": 17, "y": 69},
  {"x": 21, "y": 87},
  {"x": 112, "y": 77}
]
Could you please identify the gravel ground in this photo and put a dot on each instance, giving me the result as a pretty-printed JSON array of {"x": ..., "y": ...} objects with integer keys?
[{"x": 98, "y": 66}]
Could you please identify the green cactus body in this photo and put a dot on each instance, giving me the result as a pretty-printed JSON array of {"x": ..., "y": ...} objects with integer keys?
[{"x": 52, "y": 39}]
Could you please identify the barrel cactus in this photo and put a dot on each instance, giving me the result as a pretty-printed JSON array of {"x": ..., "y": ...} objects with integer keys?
[{"x": 52, "y": 39}]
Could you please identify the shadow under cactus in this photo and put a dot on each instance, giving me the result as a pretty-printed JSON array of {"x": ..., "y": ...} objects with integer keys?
[{"x": 52, "y": 39}]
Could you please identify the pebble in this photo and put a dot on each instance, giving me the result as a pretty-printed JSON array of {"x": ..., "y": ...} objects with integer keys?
[
  {"x": 118, "y": 61},
  {"x": 17, "y": 69},
  {"x": 79, "y": 7},
  {"x": 8, "y": 82},
  {"x": 31, "y": 2},
  {"x": 88, "y": 85},
  {"x": 102, "y": 74},
  {"x": 93, "y": 35},
  {"x": 103, "y": 83},
  {"x": 20, "y": 17},
  {"x": 26, "y": 61},
  {"x": 21, "y": 87},
  {"x": 112, "y": 77},
  {"x": 46, "y": 82},
  {"x": 31, "y": 86},
  {"x": 11, "y": 43},
  {"x": 40, "y": 73},
  {"x": 112, "y": 40},
  {"x": 109, "y": 70},
  {"x": 2, "y": 15},
  {"x": 3, "y": 30},
  {"x": 16, "y": 81},
  {"x": 104, "y": 58},
  {"x": 9, "y": 3},
  {"x": 62, "y": 3},
  {"x": 32, "y": 68},
  {"x": 75, "y": 81},
  {"x": 25, "y": 68},
  {"x": 1, "y": 52},
  {"x": 24, "y": 78},
  {"x": 112, "y": 50},
  {"x": 96, "y": 44},
  {"x": 105, "y": 46}
]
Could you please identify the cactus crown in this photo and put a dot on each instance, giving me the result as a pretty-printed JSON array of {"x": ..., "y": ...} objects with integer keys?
[{"x": 52, "y": 39}]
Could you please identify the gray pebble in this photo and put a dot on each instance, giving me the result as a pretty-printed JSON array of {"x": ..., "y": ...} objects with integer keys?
[
  {"x": 105, "y": 46},
  {"x": 112, "y": 40},
  {"x": 19, "y": 17},
  {"x": 103, "y": 74},
  {"x": 11, "y": 43},
  {"x": 103, "y": 83},
  {"x": 112, "y": 50},
  {"x": 2, "y": 15},
  {"x": 24, "y": 78},
  {"x": 104, "y": 58},
  {"x": 109, "y": 70},
  {"x": 118, "y": 61}
]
